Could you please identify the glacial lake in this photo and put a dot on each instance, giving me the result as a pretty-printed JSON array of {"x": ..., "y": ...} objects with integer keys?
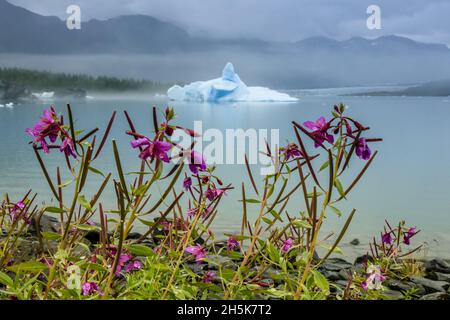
[{"x": 409, "y": 180}]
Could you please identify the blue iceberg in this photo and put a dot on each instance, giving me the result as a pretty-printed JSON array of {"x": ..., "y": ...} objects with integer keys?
[{"x": 228, "y": 88}]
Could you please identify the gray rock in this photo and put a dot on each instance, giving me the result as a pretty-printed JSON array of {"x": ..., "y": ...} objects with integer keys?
[
  {"x": 93, "y": 236},
  {"x": 392, "y": 294},
  {"x": 355, "y": 242},
  {"x": 398, "y": 285},
  {"x": 134, "y": 236},
  {"x": 223, "y": 262},
  {"x": 332, "y": 275},
  {"x": 336, "y": 264},
  {"x": 439, "y": 276},
  {"x": 436, "y": 296},
  {"x": 345, "y": 274},
  {"x": 431, "y": 286},
  {"x": 47, "y": 224},
  {"x": 419, "y": 290},
  {"x": 363, "y": 259},
  {"x": 437, "y": 265},
  {"x": 26, "y": 250}
]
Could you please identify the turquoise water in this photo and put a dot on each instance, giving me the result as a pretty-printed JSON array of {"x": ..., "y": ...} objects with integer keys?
[{"x": 408, "y": 180}]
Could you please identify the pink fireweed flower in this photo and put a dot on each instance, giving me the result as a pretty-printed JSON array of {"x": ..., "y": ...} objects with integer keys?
[
  {"x": 141, "y": 142},
  {"x": 212, "y": 193},
  {"x": 362, "y": 149},
  {"x": 319, "y": 133},
  {"x": 68, "y": 148},
  {"x": 196, "y": 162},
  {"x": 152, "y": 149},
  {"x": 287, "y": 244},
  {"x": 232, "y": 243},
  {"x": 89, "y": 288},
  {"x": 374, "y": 280},
  {"x": 47, "y": 126},
  {"x": 386, "y": 238},
  {"x": 124, "y": 258},
  {"x": 187, "y": 183},
  {"x": 291, "y": 151},
  {"x": 209, "y": 277},
  {"x": 206, "y": 212},
  {"x": 133, "y": 266},
  {"x": 17, "y": 207},
  {"x": 197, "y": 251},
  {"x": 205, "y": 179},
  {"x": 17, "y": 210},
  {"x": 408, "y": 235},
  {"x": 191, "y": 212}
]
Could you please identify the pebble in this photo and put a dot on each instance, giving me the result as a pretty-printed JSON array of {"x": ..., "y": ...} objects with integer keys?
[
  {"x": 436, "y": 296},
  {"x": 431, "y": 286}
]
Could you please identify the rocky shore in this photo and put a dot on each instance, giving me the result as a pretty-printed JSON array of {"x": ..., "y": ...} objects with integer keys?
[{"x": 433, "y": 285}]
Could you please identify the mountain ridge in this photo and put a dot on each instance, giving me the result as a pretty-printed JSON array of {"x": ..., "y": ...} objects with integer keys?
[{"x": 138, "y": 33}]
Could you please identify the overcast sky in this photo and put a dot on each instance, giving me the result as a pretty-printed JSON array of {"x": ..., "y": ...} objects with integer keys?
[{"x": 280, "y": 20}]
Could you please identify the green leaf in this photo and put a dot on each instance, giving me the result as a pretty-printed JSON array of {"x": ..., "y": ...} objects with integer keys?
[
  {"x": 51, "y": 235},
  {"x": 298, "y": 223},
  {"x": 96, "y": 171},
  {"x": 336, "y": 210},
  {"x": 78, "y": 132},
  {"x": 159, "y": 171},
  {"x": 139, "y": 191},
  {"x": 251, "y": 201},
  {"x": 339, "y": 187},
  {"x": 270, "y": 192},
  {"x": 86, "y": 227},
  {"x": 54, "y": 210},
  {"x": 321, "y": 282},
  {"x": 147, "y": 223},
  {"x": 65, "y": 184},
  {"x": 274, "y": 254},
  {"x": 311, "y": 194},
  {"x": 96, "y": 267},
  {"x": 276, "y": 215},
  {"x": 84, "y": 202},
  {"x": 267, "y": 220},
  {"x": 140, "y": 250},
  {"x": 137, "y": 172},
  {"x": 237, "y": 237},
  {"x": 30, "y": 266},
  {"x": 6, "y": 280},
  {"x": 324, "y": 166}
]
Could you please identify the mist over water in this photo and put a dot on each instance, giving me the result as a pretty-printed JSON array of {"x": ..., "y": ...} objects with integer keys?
[{"x": 275, "y": 69}]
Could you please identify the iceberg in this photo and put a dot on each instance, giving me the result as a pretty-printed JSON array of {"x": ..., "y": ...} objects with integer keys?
[
  {"x": 44, "y": 95},
  {"x": 228, "y": 88},
  {"x": 8, "y": 105}
]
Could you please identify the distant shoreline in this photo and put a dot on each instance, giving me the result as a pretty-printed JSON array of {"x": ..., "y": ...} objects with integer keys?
[
  {"x": 17, "y": 84},
  {"x": 429, "y": 89}
]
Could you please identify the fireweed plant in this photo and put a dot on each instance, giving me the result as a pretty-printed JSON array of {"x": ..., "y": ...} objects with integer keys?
[
  {"x": 386, "y": 260},
  {"x": 178, "y": 255}
]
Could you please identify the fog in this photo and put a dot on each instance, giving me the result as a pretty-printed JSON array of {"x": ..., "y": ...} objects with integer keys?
[{"x": 273, "y": 69}]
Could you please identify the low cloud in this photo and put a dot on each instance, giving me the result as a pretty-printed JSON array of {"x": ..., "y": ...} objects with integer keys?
[{"x": 281, "y": 20}]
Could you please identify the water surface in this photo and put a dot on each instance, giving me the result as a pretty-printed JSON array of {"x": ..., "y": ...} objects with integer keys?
[{"x": 408, "y": 180}]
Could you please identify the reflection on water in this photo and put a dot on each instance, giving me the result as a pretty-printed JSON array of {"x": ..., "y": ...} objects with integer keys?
[{"x": 408, "y": 180}]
